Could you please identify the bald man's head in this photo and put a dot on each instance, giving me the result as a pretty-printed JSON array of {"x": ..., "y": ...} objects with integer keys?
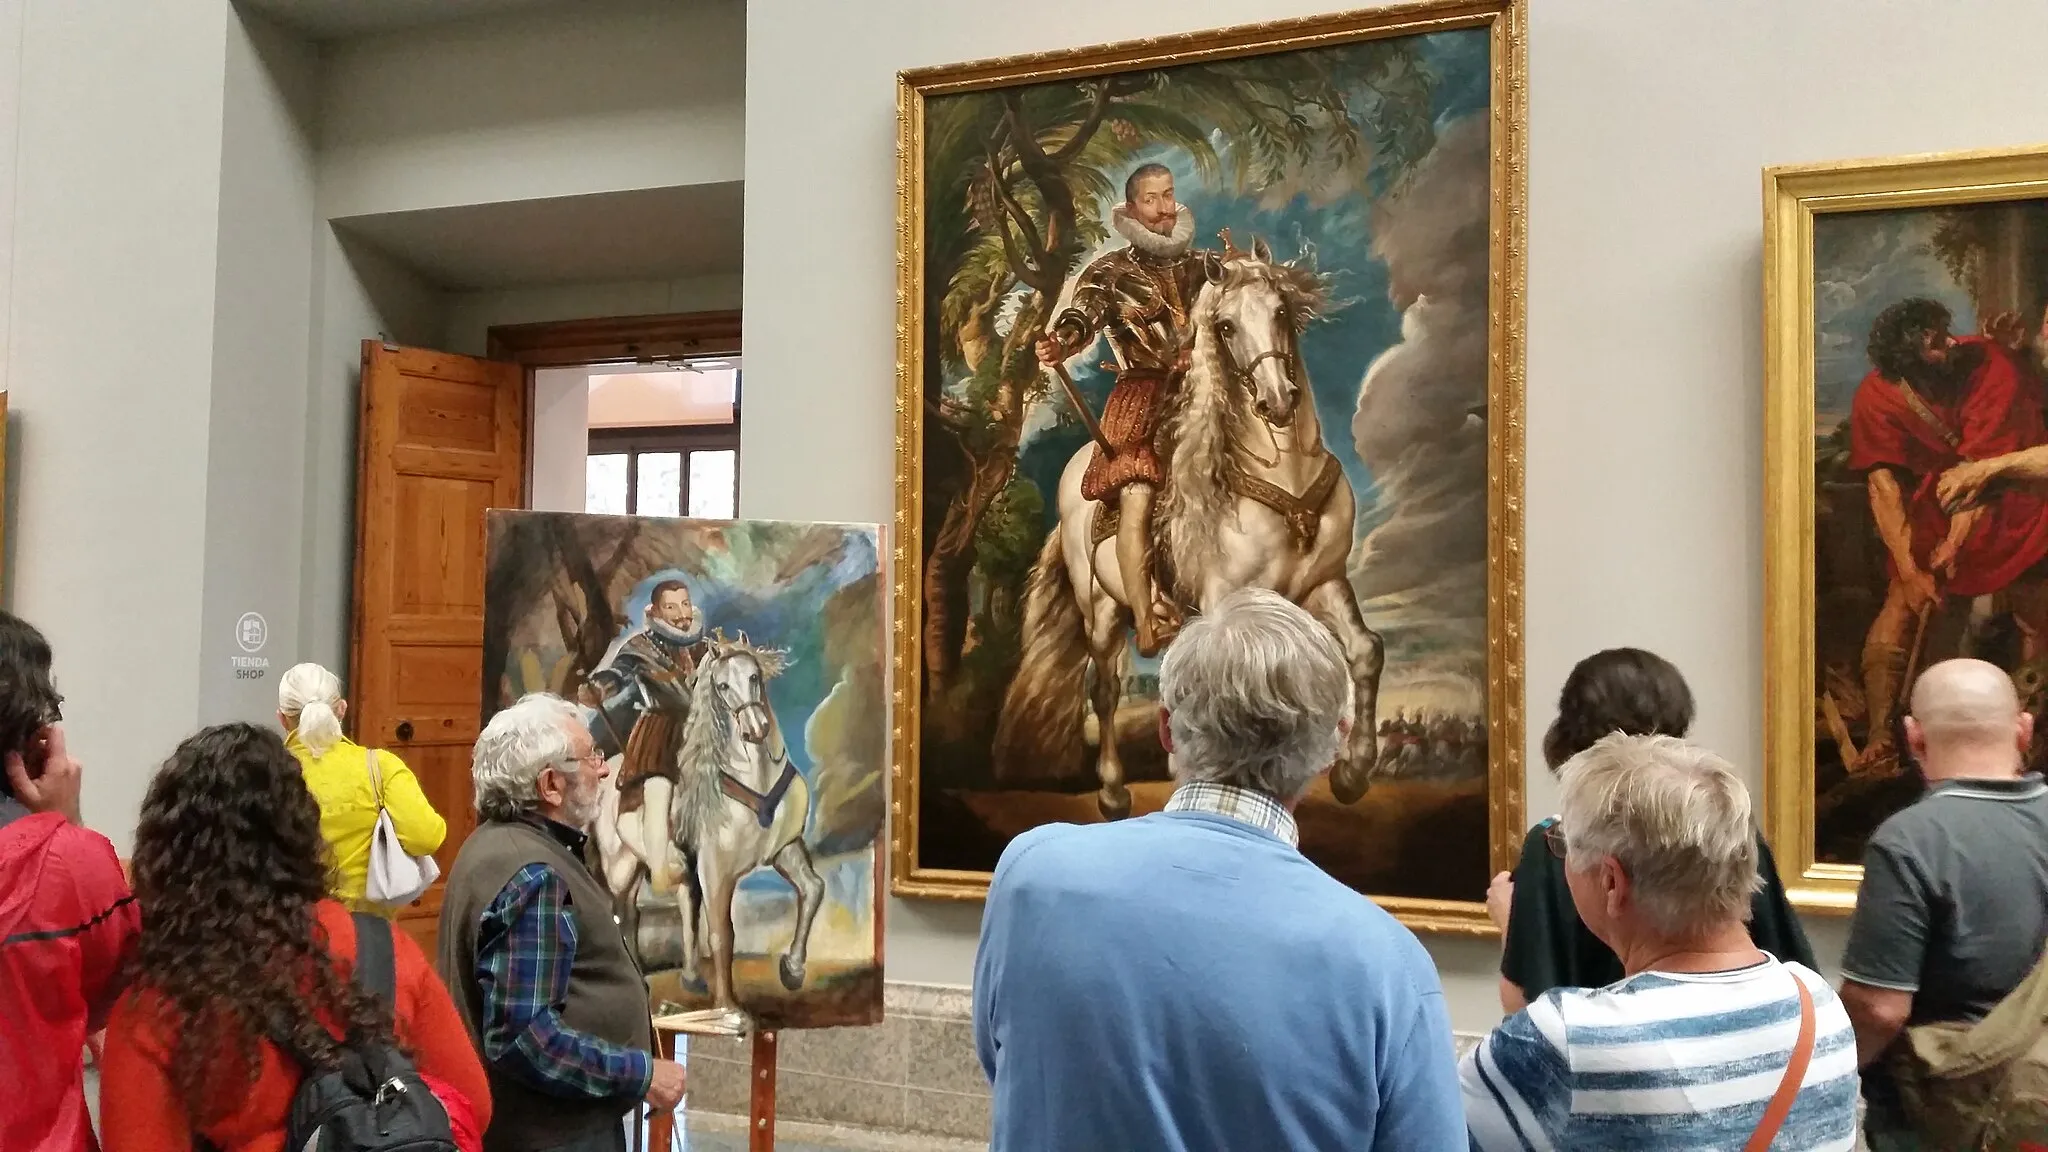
[{"x": 1966, "y": 721}]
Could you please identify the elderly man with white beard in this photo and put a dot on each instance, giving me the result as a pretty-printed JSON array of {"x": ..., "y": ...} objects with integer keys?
[{"x": 541, "y": 974}]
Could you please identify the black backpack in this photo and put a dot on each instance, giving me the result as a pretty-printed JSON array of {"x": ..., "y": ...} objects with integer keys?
[{"x": 374, "y": 1101}]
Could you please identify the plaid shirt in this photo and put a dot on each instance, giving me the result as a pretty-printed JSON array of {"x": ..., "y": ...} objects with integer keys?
[
  {"x": 1240, "y": 804},
  {"x": 525, "y": 948}
]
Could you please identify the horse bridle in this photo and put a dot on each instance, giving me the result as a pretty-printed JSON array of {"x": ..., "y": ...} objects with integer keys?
[
  {"x": 1289, "y": 356},
  {"x": 738, "y": 709}
]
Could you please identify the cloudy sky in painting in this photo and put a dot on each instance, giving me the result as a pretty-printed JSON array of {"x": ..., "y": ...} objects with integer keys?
[
  {"x": 1863, "y": 262},
  {"x": 1421, "y": 571}
]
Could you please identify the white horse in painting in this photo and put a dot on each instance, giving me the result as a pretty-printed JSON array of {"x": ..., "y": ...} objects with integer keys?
[
  {"x": 1253, "y": 498},
  {"x": 741, "y": 805}
]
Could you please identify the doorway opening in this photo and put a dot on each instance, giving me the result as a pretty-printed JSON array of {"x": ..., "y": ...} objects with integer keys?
[
  {"x": 661, "y": 442},
  {"x": 646, "y": 426}
]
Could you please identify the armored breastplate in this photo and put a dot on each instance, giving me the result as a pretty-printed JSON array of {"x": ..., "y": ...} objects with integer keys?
[{"x": 1149, "y": 314}]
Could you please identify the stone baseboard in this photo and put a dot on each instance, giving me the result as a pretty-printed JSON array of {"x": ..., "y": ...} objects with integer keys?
[{"x": 916, "y": 1072}]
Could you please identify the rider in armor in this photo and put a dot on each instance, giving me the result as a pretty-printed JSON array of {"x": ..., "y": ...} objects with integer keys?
[
  {"x": 642, "y": 695},
  {"x": 1140, "y": 296}
]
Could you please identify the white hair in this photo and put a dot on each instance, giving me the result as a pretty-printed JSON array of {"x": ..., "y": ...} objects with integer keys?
[
  {"x": 1676, "y": 818},
  {"x": 306, "y": 695},
  {"x": 514, "y": 748},
  {"x": 1256, "y": 691}
]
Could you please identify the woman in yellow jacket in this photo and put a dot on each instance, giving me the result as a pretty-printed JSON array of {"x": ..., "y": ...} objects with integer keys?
[{"x": 310, "y": 707}]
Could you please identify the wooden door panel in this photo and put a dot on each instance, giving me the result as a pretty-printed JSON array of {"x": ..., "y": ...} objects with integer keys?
[
  {"x": 437, "y": 559},
  {"x": 443, "y": 442}
]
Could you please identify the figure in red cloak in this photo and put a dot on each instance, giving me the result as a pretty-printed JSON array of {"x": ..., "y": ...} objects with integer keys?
[{"x": 1930, "y": 403}]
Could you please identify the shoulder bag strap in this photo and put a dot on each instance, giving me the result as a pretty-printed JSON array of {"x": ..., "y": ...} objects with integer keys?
[
  {"x": 376, "y": 778},
  {"x": 1795, "y": 1077},
  {"x": 376, "y": 959}
]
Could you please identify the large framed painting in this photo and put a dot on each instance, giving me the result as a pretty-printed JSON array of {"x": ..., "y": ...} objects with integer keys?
[
  {"x": 1187, "y": 314},
  {"x": 731, "y": 673},
  {"x": 1906, "y": 473}
]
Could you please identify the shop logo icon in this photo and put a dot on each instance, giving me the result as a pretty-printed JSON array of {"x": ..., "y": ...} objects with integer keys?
[{"x": 251, "y": 632}]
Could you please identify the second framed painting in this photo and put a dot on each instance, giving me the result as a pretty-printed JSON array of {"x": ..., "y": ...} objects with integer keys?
[
  {"x": 1173, "y": 305},
  {"x": 1906, "y": 474}
]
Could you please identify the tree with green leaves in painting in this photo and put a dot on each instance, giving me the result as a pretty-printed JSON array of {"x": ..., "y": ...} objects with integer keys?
[{"x": 1017, "y": 181}]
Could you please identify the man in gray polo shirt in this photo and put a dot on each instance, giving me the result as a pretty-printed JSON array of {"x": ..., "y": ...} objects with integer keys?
[{"x": 1954, "y": 904}]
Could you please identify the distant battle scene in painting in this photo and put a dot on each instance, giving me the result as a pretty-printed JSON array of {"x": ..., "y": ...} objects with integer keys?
[
  {"x": 732, "y": 675},
  {"x": 1931, "y": 480},
  {"x": 1185, "y": 330}
]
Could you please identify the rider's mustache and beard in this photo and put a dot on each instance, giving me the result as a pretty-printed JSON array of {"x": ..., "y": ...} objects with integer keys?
[
  {"x": 687, "y": 630},
  {"x": 1172, "y": 244}
]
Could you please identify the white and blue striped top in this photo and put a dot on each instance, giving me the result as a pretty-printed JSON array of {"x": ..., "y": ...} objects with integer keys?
[{"x": 1663, "y": 1061}]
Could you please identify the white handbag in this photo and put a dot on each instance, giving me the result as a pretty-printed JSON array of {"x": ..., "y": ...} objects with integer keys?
[{"x": 394, "y": 878}]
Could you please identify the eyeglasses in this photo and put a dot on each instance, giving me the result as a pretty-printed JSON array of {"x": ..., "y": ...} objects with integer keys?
[
  {"x": 593, "y": 756},
  {"x": 1553, "y": 839}
]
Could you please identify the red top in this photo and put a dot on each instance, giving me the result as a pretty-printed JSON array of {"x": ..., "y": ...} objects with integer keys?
[
  {"x": 67, "y": 924},
  {"x": 140, "y": 1107},
  {"x": 1996, "y": 412}
]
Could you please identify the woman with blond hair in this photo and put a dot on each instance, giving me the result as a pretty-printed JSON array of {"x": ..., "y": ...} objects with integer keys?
[{"x": 352, "y": 783}]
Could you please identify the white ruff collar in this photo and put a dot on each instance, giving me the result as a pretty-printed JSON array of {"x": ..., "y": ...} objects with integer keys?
[{"x": 1152, "y": 243}]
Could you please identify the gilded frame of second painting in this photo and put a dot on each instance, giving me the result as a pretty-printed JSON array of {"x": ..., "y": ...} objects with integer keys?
[
  {"x": 1903, "y": 356},
  {"x": 1396, "y": 139}
]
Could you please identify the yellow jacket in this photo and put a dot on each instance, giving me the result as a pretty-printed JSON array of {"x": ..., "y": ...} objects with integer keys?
[{"x": 339, "y": 779}]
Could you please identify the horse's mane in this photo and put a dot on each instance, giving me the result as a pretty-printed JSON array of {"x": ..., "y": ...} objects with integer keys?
[
  {"x": 707, "y": 734},
  {"x": 1198, "y": 498}
]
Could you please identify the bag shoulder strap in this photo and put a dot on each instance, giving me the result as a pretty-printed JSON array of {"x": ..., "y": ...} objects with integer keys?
[
  {"x": 376, "y": 777},
  {"x": 376, "y": 958},
  {"x": 1780, "y": 1106}
]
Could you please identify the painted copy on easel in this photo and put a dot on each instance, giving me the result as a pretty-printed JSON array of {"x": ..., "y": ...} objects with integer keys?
[{"x": 732, "y": 673}]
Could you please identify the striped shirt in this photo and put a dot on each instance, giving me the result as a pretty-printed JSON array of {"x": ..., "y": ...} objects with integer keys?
[
  {"x": 1663, "y": 1061},
  {"x": 1240, "y": 804}
]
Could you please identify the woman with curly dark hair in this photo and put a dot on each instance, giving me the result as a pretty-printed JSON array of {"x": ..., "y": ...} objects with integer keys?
[
  {"x": 1637, "y": 693},
  {"x": 241, "y": 942}
]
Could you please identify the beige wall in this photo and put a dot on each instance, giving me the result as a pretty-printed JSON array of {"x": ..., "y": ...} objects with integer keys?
[
  {"x": 590, "y": 97},
  {"x": 1650, "y": 123},
  {"x": 471, "y": 315},
  {"x": 115, "y": 199}
]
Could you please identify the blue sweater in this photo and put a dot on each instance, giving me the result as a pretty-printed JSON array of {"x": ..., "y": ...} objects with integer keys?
[{"x": 1187, "y": 983}]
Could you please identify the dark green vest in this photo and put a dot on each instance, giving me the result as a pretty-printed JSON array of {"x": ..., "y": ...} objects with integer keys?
[{"x": 607, "y": 993}]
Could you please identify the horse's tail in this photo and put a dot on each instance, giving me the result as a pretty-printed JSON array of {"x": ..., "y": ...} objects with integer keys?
[{"x": 1039, "y": 732}]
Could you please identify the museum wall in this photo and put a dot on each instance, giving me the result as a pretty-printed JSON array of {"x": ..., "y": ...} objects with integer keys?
[
  {"x": 358, "y": 293},
  {"x": 471, "y": 315},
  {"x": 115, "y": 186},
  {"x": 254, "y": 474},
  {"x": 1644, "y": 465},
  {"x": 592, "y": 97}
]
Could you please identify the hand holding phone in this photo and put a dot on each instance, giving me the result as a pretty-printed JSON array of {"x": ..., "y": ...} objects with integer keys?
[{"x": 54, "y": 782}]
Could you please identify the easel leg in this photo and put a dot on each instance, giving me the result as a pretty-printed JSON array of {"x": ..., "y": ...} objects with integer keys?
[{"x": 761, "y": 1116}]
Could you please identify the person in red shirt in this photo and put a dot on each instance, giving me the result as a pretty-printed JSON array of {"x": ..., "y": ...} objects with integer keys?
[
  {"x": 67, "y": 921},
  {"x": 1932, "y": 402},
  {"x": 240, "y": 940}
]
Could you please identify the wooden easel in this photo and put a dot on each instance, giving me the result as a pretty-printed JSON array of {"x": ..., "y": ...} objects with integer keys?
[{"x": 761, "y": 1094}]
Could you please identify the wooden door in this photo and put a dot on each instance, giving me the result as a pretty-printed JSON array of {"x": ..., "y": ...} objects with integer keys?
[{"x": 443, "y": 439}]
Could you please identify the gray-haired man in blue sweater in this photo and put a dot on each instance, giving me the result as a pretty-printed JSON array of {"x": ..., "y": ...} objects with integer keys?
[{"x": 1189, "y": 980}]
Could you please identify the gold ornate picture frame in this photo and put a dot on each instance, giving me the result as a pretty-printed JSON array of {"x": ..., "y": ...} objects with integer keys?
[
  {"x": 1903, "y": 303},
  {"x": 1368, "y": 168}
]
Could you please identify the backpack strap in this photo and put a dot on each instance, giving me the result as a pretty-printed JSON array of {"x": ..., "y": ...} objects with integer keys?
[
  {"x": 1782, "y": 1100},
  {"x": 376, "y": 959}
]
